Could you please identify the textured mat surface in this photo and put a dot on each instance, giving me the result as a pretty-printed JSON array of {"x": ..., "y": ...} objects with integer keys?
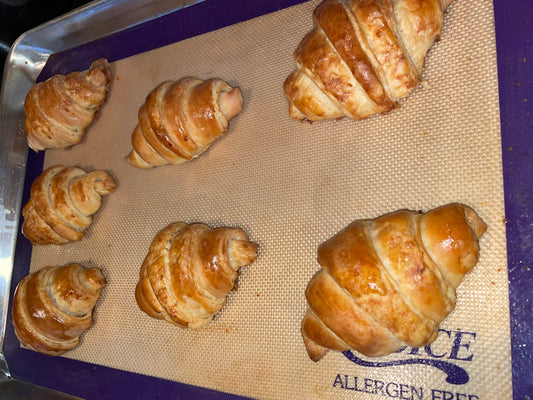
[{"x": 291, "y": 186}]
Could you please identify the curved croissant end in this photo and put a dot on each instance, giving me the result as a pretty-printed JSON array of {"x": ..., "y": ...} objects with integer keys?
[
  {"x": 361, "y": 57},
  {"x": 62, "y": 202},
  {"x": 53, "y": 307},
  {"x": 60, "y": 109},
  {"x": 189, "y": 271},
  {"x": 387, "y": 283},
  {"x": 180, "y": 120}
]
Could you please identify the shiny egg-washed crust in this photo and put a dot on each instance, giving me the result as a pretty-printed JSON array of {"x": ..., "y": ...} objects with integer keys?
[
  {"x": 60, "y": 109},
  {"x": 53, "y": 307},
  {"x": 189, "y": 270},
  {"x": 361, "y": 57},
  {"x": 389, "y": 282},
  {"x": 62, "y": 203},
  {"x": 180, "y": 120}
]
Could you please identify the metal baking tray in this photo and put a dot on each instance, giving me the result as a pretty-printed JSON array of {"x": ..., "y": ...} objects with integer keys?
[{"x": 82, "y": 28}]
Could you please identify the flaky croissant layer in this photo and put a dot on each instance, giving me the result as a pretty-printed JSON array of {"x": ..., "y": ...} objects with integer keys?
[
  {"x": 60, "y": 109},
  {"x": 361, "y": 57},
  {"x": 180, "y": 120},
  {"x": 62, "y": 203},
  {"x": 387, "y": 283},
  {"x": 54, "y": 306},
  {"x": 189, "y": 270}
]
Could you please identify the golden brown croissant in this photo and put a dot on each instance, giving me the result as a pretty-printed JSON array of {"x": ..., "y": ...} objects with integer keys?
[
  {"x": 60, "y": 109},
  {"x": 180, "y": 120},
  {"x": 189, "y": 271},
  {"x": 53, "y": 307},
  {"x": 388, "y": 282},
  {"x": 361, "y": 57},
  {"x": 62, "y": 202}
]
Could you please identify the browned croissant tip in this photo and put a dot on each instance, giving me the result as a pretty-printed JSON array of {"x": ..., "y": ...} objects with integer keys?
[
  {"x": 104, "y": 183},
  {"x": 94, "y": 279},
  {"x": 100, "y": 72},
  {"x": 478, "y": 225},
  {"x": 314, "y": 351},
  {"x": 134, "y": 160},
  {"x": 242, "y": 253},
  {"x": 231, "y": 103}
]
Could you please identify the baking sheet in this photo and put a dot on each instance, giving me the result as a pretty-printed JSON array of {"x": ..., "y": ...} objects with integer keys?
[{"x": 319, "y": 185}]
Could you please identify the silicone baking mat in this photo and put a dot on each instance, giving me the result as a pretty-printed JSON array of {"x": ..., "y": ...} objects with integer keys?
[{"x": 291, "y": 186}]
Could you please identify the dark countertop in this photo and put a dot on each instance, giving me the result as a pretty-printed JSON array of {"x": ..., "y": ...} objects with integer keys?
[{"x": 19, "y": 16}]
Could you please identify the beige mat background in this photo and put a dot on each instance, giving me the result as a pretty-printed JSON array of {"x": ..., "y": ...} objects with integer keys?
[{"x": 291, "y": 186}]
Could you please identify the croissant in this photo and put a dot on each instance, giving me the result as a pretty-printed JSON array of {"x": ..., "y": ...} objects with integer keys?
[
  {"x": 62, "y": 202},
  {"x": 361, "y": 57},
  {"x": 180, "y": 120},
  {"x": 389, "y": 282},
  {"x": 189, "y": 271},
  {"x": 53, "y": 307},
  {"x": 60, "y": 109}
]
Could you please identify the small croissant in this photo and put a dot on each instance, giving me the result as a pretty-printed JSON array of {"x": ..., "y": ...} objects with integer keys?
[
  {"x": 62, "y": 203},
  {"x": 54, "y": 306},
  {"x": 361, "y": 57},
  {"x": 387, "y": 283},
  {"x": 180, "y": 120},
  {"x": 60, "y": 109},
  {"x": 189, "y": 271}
]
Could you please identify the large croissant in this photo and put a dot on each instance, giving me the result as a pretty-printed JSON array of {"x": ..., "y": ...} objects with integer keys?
[
  {"x": 180, "y": 120},
  {"x": 189, "y": 271},
  {"x": 361, "y": 57},
  {"x": 60, "y": 109},
  {"x": 53, "y": 307},
  {"x": 62, "y": 202},
  {"x": 389, "y": 282}
]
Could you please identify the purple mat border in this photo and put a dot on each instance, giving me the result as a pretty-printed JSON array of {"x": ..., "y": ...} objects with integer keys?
[
  {"x": 514, "y": 42},
  {"x": 191, "y": 21},
  {"x": 514, "y": 39}
]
